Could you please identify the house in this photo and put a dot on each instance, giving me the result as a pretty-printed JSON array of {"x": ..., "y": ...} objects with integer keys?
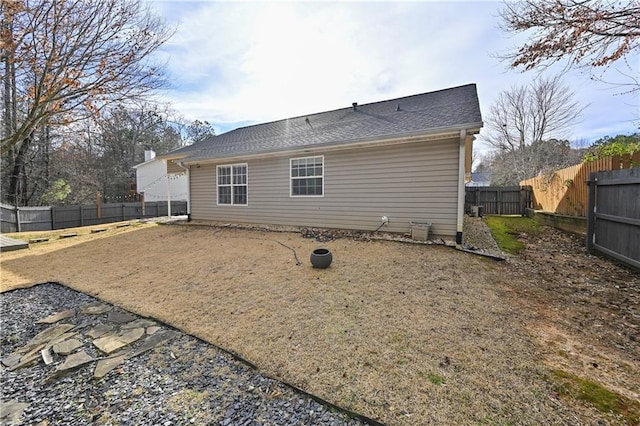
[
  {"x": 480, "y": 179},
  {"x": 405, "y": 159},
  {"x": 157, "y": 184}
]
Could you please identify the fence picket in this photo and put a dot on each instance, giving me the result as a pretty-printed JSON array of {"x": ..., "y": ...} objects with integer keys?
[
  {"x": 18, "y": 219},
  {"x": 507, "y": 200},
  {"x": 565, "y": 191},
  {"x": 613, "y": 222}
]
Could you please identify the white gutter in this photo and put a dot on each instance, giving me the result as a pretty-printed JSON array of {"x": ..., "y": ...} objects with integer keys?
[{"x": 439, "y": 133}]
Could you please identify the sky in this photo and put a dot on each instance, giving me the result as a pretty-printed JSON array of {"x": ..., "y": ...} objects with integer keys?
[{"x": 239, "y": 63}]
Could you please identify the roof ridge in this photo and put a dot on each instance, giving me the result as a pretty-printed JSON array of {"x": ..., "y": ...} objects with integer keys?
[
  {"x": 424, "y": 113},
  {"x": 347, "y": 108}
]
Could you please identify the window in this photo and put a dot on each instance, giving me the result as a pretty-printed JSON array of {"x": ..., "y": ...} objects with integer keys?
[
  {"x": 232, "y": 184},
  {"x": 307, "y": 177}
]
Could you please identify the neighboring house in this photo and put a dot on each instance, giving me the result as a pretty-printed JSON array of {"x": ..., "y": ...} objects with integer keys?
[
  {"x": 157, "y": 185},
  {"x": 406, "y": 159},
  {"x": 480, "y": 179}
]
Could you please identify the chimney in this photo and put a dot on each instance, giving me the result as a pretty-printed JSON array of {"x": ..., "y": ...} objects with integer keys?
[
  {"x": 355, "y": 106},
  {"x": 149, "y": 154}
]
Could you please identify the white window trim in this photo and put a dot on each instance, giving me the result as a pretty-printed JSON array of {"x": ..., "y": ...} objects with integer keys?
[
  {"x": 291, "y": 178},
  {"x": 246, "y": 165}
]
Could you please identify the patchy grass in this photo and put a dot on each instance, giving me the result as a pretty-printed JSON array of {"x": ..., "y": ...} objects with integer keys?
[
  {"x": 406, "y": 334},
  {"x": 604, "y": 400},
  {"x": 505, "y": 230},
  {"x": 355, "y": 333},
  {"x": 434, "y": 378}
]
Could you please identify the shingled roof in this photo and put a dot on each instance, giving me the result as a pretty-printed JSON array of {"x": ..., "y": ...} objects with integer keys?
[{"x": 427, "y": 113}]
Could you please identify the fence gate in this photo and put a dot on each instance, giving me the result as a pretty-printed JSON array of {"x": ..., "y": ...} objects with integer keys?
[{"x": 613, "y": 221}]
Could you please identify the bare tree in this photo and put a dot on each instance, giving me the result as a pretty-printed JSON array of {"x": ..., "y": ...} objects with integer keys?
[
  {"x": 524, "y": 115},
  {"x": 524, "y": 125},
  {"x": 199, "y": 130},
  {"x": 124, "y": 134},
  {"x": 65, "y": 60},
  {"x": 591, "y": 34}
]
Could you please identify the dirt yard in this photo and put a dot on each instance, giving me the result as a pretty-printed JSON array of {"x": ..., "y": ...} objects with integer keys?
[{"x": 405, "y": 334}]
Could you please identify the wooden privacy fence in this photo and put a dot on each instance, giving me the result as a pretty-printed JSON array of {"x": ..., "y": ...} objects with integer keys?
[
  {"x": 501, "y": 200},
  {"x": 613, "y": 222},
  {"x": 19, "y": 219},
  {"x": 565, "y": 191}
]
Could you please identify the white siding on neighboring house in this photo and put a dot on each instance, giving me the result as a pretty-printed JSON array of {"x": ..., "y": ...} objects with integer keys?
[
  {"x": 151, "y": 178},
  {"x": 408, "y": 182}
]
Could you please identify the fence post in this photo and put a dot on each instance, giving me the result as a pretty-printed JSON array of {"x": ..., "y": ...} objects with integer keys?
[
  {"x": 142, "y": 204},
  {"x": 99, "y": 205},
  {"x": 81, "y": 215},
  {"x": 18, "y": 224},
  {"x": 157, "y": 208},
  {"x": 123, "y": 212},
  {"x": 524, "y": 199},
  {"x": 591, "y": 214},
  {"x": 53, "y": 217}
]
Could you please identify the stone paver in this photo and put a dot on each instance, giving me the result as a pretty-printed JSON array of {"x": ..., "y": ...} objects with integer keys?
[
  {"x": 62, "y": 338},
  {"x": 99, "y": 331},
  {"x": 95, "y": 309},
  {"x": 110, "y": 334},
  {"x": 11, "y": 411},
  {"x": 46, "y": 335},
  {"x": 104, "y": 366},
  {"x": 155, "y": 340},
  {"x": 47, "y": 358},
  {"x": 28, "y": 358},
  {"x": 11, "y": 359},
  {"x": 112, "y": 343},
  {"x": 120, "y": 317},
  {"x": 138, "y": 323},
  {"x": 152, "y": 330},
  {"x": 74, "y": 361},
  {"x": 66, "y": 347},
  {"x": 57, "y": 317}
]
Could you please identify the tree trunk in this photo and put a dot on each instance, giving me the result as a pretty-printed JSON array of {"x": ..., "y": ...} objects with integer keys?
[{"x": 17, "y": 176}]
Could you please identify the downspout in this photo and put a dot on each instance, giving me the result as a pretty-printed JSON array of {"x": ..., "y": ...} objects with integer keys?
[
  {"x": 188, "y": 172},
  {"x": 461, "y": 187}
]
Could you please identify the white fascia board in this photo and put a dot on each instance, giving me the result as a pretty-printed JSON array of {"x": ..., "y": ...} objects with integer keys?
[{"x": 436, "y": 134}]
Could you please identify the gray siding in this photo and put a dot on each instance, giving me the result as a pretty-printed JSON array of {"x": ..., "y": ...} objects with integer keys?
[
  {"x": 173, "y": 167},
  {"x": 410, "y": 182}
]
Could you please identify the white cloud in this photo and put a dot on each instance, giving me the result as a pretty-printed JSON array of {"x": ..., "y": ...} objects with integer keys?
[{"x": 238, "y": 62}]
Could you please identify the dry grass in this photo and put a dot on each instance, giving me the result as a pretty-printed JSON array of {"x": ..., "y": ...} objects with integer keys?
[{"x": 402, "y": 333}]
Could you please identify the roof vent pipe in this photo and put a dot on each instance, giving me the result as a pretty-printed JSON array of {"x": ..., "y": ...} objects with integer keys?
[
  {"x": 398, "y": 107},
  {"x": 354, "y": 105}
]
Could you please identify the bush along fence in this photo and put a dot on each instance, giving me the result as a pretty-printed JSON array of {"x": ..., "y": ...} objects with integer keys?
[
  {"x": 500, "y": 200},
  {"x": 20, "y": 219},
  {"x": 613, "y": 223},
  {"x": 564, "y": 191}
]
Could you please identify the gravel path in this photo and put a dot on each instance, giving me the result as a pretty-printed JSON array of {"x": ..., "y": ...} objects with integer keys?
[
  {"x": 184, "y": 381},
  {"x": 477, "y": 237}
]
